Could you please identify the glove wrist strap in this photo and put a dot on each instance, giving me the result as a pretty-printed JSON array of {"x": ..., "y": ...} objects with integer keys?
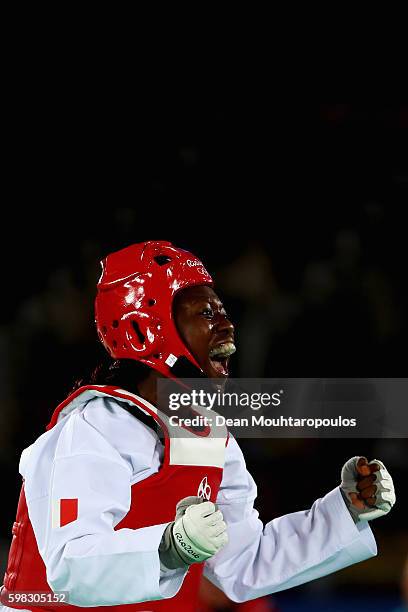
[{"x": 168, "y": 552}]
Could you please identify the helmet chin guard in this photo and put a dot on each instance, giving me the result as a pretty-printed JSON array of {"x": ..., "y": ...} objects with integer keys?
[{"x": 133, "y": 306}]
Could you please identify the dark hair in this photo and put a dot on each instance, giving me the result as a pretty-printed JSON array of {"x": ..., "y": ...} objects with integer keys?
[{"x": 124, "y": 373}]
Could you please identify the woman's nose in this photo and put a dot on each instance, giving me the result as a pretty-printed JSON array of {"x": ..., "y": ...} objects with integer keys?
[{"x": 224, "y": 324}]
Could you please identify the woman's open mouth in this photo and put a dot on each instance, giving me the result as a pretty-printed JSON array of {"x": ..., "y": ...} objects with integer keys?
[{"x": 219, "y": 357}]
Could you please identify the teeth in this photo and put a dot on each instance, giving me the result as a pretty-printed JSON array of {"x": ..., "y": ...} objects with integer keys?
[{"x": 223, "y": 350}]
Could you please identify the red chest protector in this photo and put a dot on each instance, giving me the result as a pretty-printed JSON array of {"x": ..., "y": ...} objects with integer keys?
[{"x": 192, "y": 465}]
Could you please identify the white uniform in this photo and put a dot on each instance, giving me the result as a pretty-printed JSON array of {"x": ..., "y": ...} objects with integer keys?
[{"x": 98, "y": 451}]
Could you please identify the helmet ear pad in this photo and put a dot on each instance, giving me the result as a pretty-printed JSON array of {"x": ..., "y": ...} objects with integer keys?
[{"x": 143, "y": 333}]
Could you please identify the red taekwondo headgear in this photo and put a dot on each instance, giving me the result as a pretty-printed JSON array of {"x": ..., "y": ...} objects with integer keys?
[{"x": 133, "y": 306}]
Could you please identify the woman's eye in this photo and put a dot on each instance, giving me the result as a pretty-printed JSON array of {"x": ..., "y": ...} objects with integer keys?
[{"x": 207, "y": 312}]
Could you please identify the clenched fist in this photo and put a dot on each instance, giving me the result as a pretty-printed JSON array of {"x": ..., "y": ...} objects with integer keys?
[
  {"x": 196, "y": 534},
  {"x": 367, "y": 488}
]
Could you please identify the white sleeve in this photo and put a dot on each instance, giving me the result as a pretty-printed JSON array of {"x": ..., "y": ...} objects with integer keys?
[
  {"x": 95, "y": 564},
  {"x": 287, "y": 551}
]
